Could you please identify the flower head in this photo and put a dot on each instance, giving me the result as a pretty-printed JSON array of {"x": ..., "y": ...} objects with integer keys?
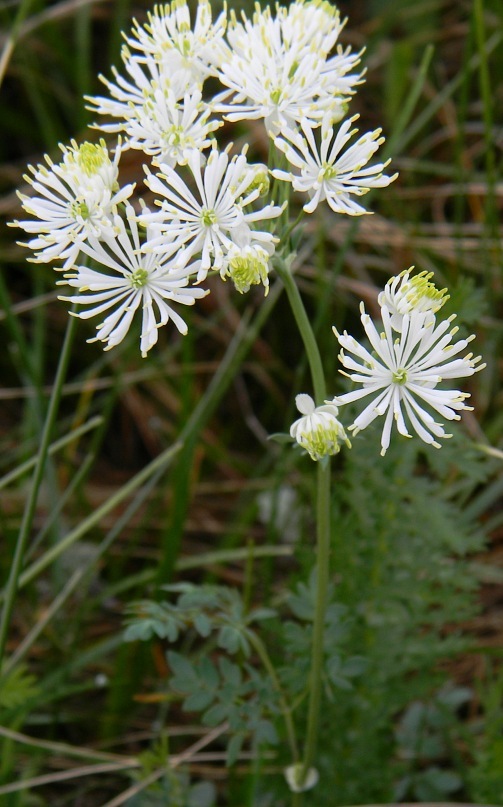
[
  {"x": 278, "y": 66},
  {"x": 170, "y": 37},
  {"x": 247, "y": 266},
  {"x": 74, "y": 200},
  {"x": 403, "y": 372},
  {"x": 137, "y": 280},
  {"x": 166, "y": 128},
  {"x": 326, "y": 172},
  {"x": 403, "y": 294},
  {"x": 318, "y": 431},
  {"x": 218, "y": 219}
]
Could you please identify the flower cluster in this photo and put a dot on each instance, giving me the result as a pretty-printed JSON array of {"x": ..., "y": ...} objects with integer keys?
[{"x": 212, "y": 208}]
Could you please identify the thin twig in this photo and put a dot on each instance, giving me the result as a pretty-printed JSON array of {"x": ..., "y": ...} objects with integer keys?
[
  {"x": 74, "y": 773},
  {"x": 64, "y": 749},
  {"x": 173, "y": 762}
]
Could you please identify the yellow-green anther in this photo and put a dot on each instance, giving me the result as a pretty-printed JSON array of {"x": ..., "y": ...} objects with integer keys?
[
  {"x": 90, "y": 157},
  {"x": 246, "y": 272},
  {"x": 260, "y": 182},
  {"x": 420, "y": 288}
]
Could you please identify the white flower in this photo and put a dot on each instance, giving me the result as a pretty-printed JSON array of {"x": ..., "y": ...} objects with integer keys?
[
  {"x": 311, "y": 25},
  {"x": 166, "y": 128},
  {"x": 139, "y": 280},
  {"x": 294, "y": 776},
  {"x": 403, "y": 372},
  {"x": 215, "y": 221},
  {"x": 128, "y": 95},
  {"x": 318, "y": 431},
  {"x": 403, "y": 294},
  {"x": 328, "y": 172},
  {"x": 76, "y": 199},
  {"x": 277, "y": 67},
  {"x": 168, "y": 36},
  {"x": 247, "y": 266}
]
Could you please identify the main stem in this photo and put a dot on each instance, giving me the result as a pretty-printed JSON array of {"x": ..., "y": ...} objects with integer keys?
[{"x": 322, "y": 527}]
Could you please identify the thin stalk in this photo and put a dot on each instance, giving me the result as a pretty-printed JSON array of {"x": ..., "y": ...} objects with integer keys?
[
  {"x": 306, "y": 332},
  {"x": 286, "y": 710},
  {"x": 322, "y": 530},
  {"x": 53, "y": 448},
  {"x": 29, "y": 512},
  {"x": 322, "y": 579}
]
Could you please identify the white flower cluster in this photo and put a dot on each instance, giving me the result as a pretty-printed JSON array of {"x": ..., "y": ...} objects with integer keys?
[
  {"x": 406, "y": 361},
  {"x": 212, "y": 207}
]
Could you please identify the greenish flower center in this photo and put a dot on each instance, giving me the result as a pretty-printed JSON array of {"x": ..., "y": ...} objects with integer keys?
[
  {"x": 79, "y": 210},
  {"x": 328, "y": 171},
  {"x": 323, "y": 441},
  {"x": 399, "y": 377},
  {"x": 90, "y": 157},
  {"x": 260, "y": 182},
  {"x": 276, "y": 96},
  {"x": 208, "y": 217},
  {"x": 139, "y": 278},
  {"x": 174, "y": 135}
]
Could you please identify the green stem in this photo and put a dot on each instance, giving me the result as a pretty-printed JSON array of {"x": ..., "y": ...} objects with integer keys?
[
  {"x": 259, "y": 646},
  {"x": 322, "y": 579},
  {"x": 306, "y": 332},
  {"x": 322, "y": 530},
  {"x": 29, "y": 512}
]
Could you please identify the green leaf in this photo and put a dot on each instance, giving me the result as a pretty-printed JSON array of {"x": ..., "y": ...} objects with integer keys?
[
  {"x": 203, "y": 625},
  {"x": 217, "y": 714},
  {"x": 233, "y": 640},
  {"x": 280, "y": 437},
  {"x": 208, "y": 673},
  {"x": 198, "y": 701},
  {"x": 182, "y": 667},
  {"x": 234, "y": 748},
  {"x": 230, "y": 672}
]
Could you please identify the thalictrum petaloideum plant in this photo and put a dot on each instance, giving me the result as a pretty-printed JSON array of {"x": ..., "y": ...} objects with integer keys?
[{"x": 216, "y": 212}]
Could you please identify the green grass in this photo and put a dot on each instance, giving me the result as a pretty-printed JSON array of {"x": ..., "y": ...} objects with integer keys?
[{"x": 120, "y": 474}]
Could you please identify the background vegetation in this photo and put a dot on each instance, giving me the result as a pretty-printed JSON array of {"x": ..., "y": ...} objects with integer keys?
[{"x": 414, "y": 686}]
